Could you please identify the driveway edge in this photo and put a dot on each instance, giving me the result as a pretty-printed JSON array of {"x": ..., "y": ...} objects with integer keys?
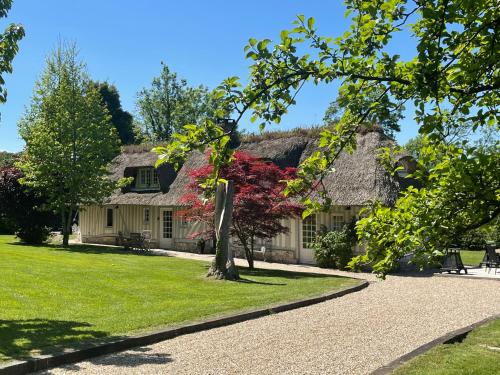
[
  {"x": 451, "y": 337},
  {"x": 77, "y": 355}
]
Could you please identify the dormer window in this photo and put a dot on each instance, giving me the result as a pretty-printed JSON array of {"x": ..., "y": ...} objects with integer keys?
[{"x": 147, "y": 178}]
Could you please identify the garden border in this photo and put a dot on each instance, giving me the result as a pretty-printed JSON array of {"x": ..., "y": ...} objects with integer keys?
[
  {"x": 77, "y": 355},
  {"x": 450, "y": 337}
]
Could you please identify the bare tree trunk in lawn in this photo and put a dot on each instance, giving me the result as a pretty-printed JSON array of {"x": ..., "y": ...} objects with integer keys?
[
  {"x": 65, "y": 229},
  {"x": 223, "y": 266}
]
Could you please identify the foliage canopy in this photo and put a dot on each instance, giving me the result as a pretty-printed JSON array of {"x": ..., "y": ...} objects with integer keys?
[
  {"x": 121, "y": 120},
  {"x": 170, "y": 103},
  {"x": 69, "y": 138},
  {"x": 24, "y": 208},
  {"x": 259, "y": 203},
  {"x": 453, "y": 75},
  {"x": 9, "y": 40}
]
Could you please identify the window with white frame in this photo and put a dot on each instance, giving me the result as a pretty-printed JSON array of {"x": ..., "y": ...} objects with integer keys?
[
  {"x": 147, "y": 178},
  {"x": 337, "y": 222},
  {"x": 146, "y": 215},
  {"x": 167, "y": 224},
  {"x": 308, "y": 231}
]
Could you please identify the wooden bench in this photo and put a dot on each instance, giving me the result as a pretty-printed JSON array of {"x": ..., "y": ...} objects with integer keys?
[{"x": 136, "y": 241}]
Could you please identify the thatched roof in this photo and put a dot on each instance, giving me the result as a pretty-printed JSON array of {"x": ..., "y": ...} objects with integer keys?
[{"x": 358, "y": 177}]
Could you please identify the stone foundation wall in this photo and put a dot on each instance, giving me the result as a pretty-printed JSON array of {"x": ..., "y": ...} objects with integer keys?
[
  {"x": 269, "y": 255},
  {"x": 110, "y": 240},
  {"x": 101, "y": 240},
  {"x": 188, "y": 246}
]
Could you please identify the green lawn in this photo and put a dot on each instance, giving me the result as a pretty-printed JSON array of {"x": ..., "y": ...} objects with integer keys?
[
  {"x": 478, "y": 354},
  {"x": 53, "y": 298},
  {"x": 471, "y": 258}
]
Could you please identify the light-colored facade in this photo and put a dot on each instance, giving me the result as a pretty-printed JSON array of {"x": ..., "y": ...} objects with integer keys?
[
  {"x": 170, "y": 231},
  {"x": 153, "y": 201}
]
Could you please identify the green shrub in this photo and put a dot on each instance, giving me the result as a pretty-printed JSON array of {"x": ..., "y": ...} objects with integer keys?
[
  {"x": 7, "y": 226},
  {"x": 492, "y": 231},
  {"x": 334, "y": 249},
  {"x": 33, "y": 232},
  {"x": 473, "y": 240},
  {"x": 21, "y": 209}
]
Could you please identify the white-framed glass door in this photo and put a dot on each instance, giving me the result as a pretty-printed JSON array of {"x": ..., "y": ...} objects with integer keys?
[
  {"x": 307, "y": 235},
  {"x": 166, "y": 228}
]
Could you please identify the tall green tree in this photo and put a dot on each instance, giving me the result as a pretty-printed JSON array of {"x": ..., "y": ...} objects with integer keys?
[
  {"x": 69, "y": 138},
  {"x": 9, "y": 40},
  {"x": 122, "y": 120},
  {"x": 170, "y": 103},
  {"x": 453, "y": 73}
]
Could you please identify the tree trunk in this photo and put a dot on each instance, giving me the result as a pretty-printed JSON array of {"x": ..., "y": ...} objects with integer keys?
[
  {"x": 249, "y": 253},
  {"x": 249, "y": 256},
  {"x": 223, "y": 266},
  {"x": 65, "y": 228}
]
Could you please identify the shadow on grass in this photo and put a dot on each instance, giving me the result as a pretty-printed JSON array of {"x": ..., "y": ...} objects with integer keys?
[
  {"x": 260, "y": 272},
  {"x": 248, "y": 281},
  {"x": 24, "y": 339},
  {"x": 245, "y": 273},
  {"x": 87, "y": 249},
  {"x": 27, "y": 339}
]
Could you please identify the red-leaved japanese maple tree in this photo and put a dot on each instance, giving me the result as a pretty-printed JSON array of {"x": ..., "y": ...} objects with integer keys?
[{"x": 259, "y": 203}]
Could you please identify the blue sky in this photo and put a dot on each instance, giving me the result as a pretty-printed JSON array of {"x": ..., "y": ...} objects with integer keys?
[{"x": 123, "y": 41}]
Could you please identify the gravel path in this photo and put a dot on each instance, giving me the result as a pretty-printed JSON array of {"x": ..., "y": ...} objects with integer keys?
[{"x": 354, "y": 334}]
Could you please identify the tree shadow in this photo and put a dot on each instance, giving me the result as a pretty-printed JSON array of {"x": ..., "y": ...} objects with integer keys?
[
  {"x": 87, "y": 249},
  {"x": 25, "y": 339},
  {"x": 28, "y": 339},
  {"x": 284, "y": 274},
  {"x": 133, "y": 358},
  {"x": 127, "y": 359},
  {"x": 248, "y": 281},
  {"x": 415, "y": 273},
  {"x": 262, "y": 272}
]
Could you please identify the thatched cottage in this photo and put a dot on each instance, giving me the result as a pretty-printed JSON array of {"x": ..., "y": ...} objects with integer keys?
[{"x": 151, "y": 202}]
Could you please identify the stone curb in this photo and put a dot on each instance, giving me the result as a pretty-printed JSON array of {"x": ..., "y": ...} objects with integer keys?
[
  {"x": 77, "y": 355},
  {"x": 449, "y": 338}
]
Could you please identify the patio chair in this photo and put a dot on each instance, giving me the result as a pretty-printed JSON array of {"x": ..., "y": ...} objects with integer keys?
[
  {"x": 491, "y": 259},
  {"x": 452, "y": 261},
  {"x": 146, "y": 240}
]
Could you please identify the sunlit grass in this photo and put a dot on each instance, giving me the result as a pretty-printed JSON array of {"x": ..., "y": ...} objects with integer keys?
[{"x": 53, "y": 298}]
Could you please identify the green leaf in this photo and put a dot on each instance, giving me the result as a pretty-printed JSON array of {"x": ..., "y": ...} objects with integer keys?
[{"x": 310, "y": 23}]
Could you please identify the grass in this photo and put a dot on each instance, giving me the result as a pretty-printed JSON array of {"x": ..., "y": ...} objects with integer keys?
[
  {"x": 53, "y": 298},
  {"x": 471, "y": 258},
  {"x": 478, "y": 354}
]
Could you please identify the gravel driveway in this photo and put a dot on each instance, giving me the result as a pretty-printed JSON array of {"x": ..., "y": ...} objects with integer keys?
[{"x": 354, "y": 334}]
